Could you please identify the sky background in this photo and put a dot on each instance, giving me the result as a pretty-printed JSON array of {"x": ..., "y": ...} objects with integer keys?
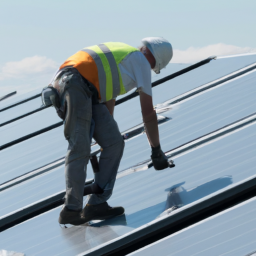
[{"x": 37, "y": 36}]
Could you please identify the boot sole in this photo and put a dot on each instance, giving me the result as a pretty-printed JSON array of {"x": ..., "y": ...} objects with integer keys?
[
  {"x": 103, "y": 217},
  {"x": 74, "y": 223}
]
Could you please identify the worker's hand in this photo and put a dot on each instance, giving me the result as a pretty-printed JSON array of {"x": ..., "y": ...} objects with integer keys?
[
  {"x": 149, "y": 119},
  {"x": 159, "y": 159}
]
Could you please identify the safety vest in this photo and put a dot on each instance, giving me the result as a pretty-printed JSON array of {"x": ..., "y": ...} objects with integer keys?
[{"x": 99, "y": 65}]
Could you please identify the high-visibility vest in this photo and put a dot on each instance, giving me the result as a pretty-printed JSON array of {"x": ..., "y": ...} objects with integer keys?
[{"x": 99, "y": 65}]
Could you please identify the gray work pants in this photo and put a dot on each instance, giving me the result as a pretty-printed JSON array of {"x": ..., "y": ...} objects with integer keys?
[{"x": 80, "y": 111}]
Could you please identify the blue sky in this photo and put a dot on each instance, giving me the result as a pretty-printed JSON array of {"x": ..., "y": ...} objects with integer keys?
[{"x": 37, "y": 36}]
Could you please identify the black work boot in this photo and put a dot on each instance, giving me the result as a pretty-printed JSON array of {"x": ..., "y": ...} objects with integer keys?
[
  {"x": 101, "y": 212},
  {"x": 71, "y": 217}
]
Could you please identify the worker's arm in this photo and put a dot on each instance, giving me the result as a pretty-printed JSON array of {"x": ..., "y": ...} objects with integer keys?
[
  {"x": 158, "y": 157},
  {"x": 149, "y": 119},
  {"x": 110, "y": 106}
]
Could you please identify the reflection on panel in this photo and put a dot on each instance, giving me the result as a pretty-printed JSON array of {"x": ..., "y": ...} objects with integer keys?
[
  {"x": 144, "y": 196},
  {"x": 200, "y": 76},
  {"x": 230, "y": 233}
]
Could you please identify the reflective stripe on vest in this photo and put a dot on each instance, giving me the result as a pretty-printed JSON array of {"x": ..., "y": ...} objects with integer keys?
[{"x": 106, "y": 56}]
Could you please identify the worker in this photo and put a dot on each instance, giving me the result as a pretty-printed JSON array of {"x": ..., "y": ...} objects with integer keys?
[{"x": 83, "y": 92}]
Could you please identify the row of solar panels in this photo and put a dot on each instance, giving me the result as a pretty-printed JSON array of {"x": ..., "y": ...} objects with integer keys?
[
  {"x": 230, "y": 233},
  {"x": 204, "y": 126}
]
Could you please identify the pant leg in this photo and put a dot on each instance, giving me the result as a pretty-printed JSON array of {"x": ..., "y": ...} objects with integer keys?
[
  {"x": 108, "y": 136},
  {"x": 77, "y": 131}
]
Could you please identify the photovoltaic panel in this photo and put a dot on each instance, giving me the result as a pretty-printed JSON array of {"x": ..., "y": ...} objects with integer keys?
[
  {"x": 195, "y": 121},
  {"x": 198, "y": 116},
  {"x": 230, "y": 233},
  {"x": 214, "y": 70},
  {"x": 37, "y": 151},
  {"x": 144, "y": 195},
  {"x": 22, "y": 109},
  {"x": 194, "y": 118},
  {"x": 18, "y": 97},
  {"x": 28, "y": 125},
  {"x": 172, "y": 88},
  {"x": 32, "y": 154}
]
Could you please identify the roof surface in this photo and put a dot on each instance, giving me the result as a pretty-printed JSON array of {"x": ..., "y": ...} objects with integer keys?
[{"x": 209, "y": 130}]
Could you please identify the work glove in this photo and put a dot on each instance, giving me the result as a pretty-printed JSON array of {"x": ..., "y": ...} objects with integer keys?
[{"x": 159, "y": 159}]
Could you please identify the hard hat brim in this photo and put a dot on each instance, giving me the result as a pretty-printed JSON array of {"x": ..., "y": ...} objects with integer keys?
[{"x": 147, "y": 44}]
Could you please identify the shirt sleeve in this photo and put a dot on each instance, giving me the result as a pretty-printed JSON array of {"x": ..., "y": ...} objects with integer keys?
[{"x": 142, "y": 73}]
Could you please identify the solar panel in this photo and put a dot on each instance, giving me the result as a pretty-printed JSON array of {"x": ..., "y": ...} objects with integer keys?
[
  {"x": 38, "y": 151},
  {"x": 199, "y": 115},
  {"x": 206, "y": 171},
  {"x": 191, "y": 119},
  {"x": 32, "y": 154},
  {"x": 45, "y": 193},
  {"x": 207, "y": 73},
  {"x": 231, "y": 232},
  {"x": 194, "y": 178},
  {"x": 18, "y": 98},
  {"x": 28, "y": 125},
  {"x": 190, "y": 80},
  {"x": 143, "y": 194},
  {"x": 22, "y": 109}
]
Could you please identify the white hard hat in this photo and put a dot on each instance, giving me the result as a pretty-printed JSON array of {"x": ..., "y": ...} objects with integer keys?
[{"x": 161, "y": 50}]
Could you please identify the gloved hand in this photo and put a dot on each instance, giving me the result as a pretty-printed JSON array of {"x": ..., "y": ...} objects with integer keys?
[{"x": 159, "y": 159}]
